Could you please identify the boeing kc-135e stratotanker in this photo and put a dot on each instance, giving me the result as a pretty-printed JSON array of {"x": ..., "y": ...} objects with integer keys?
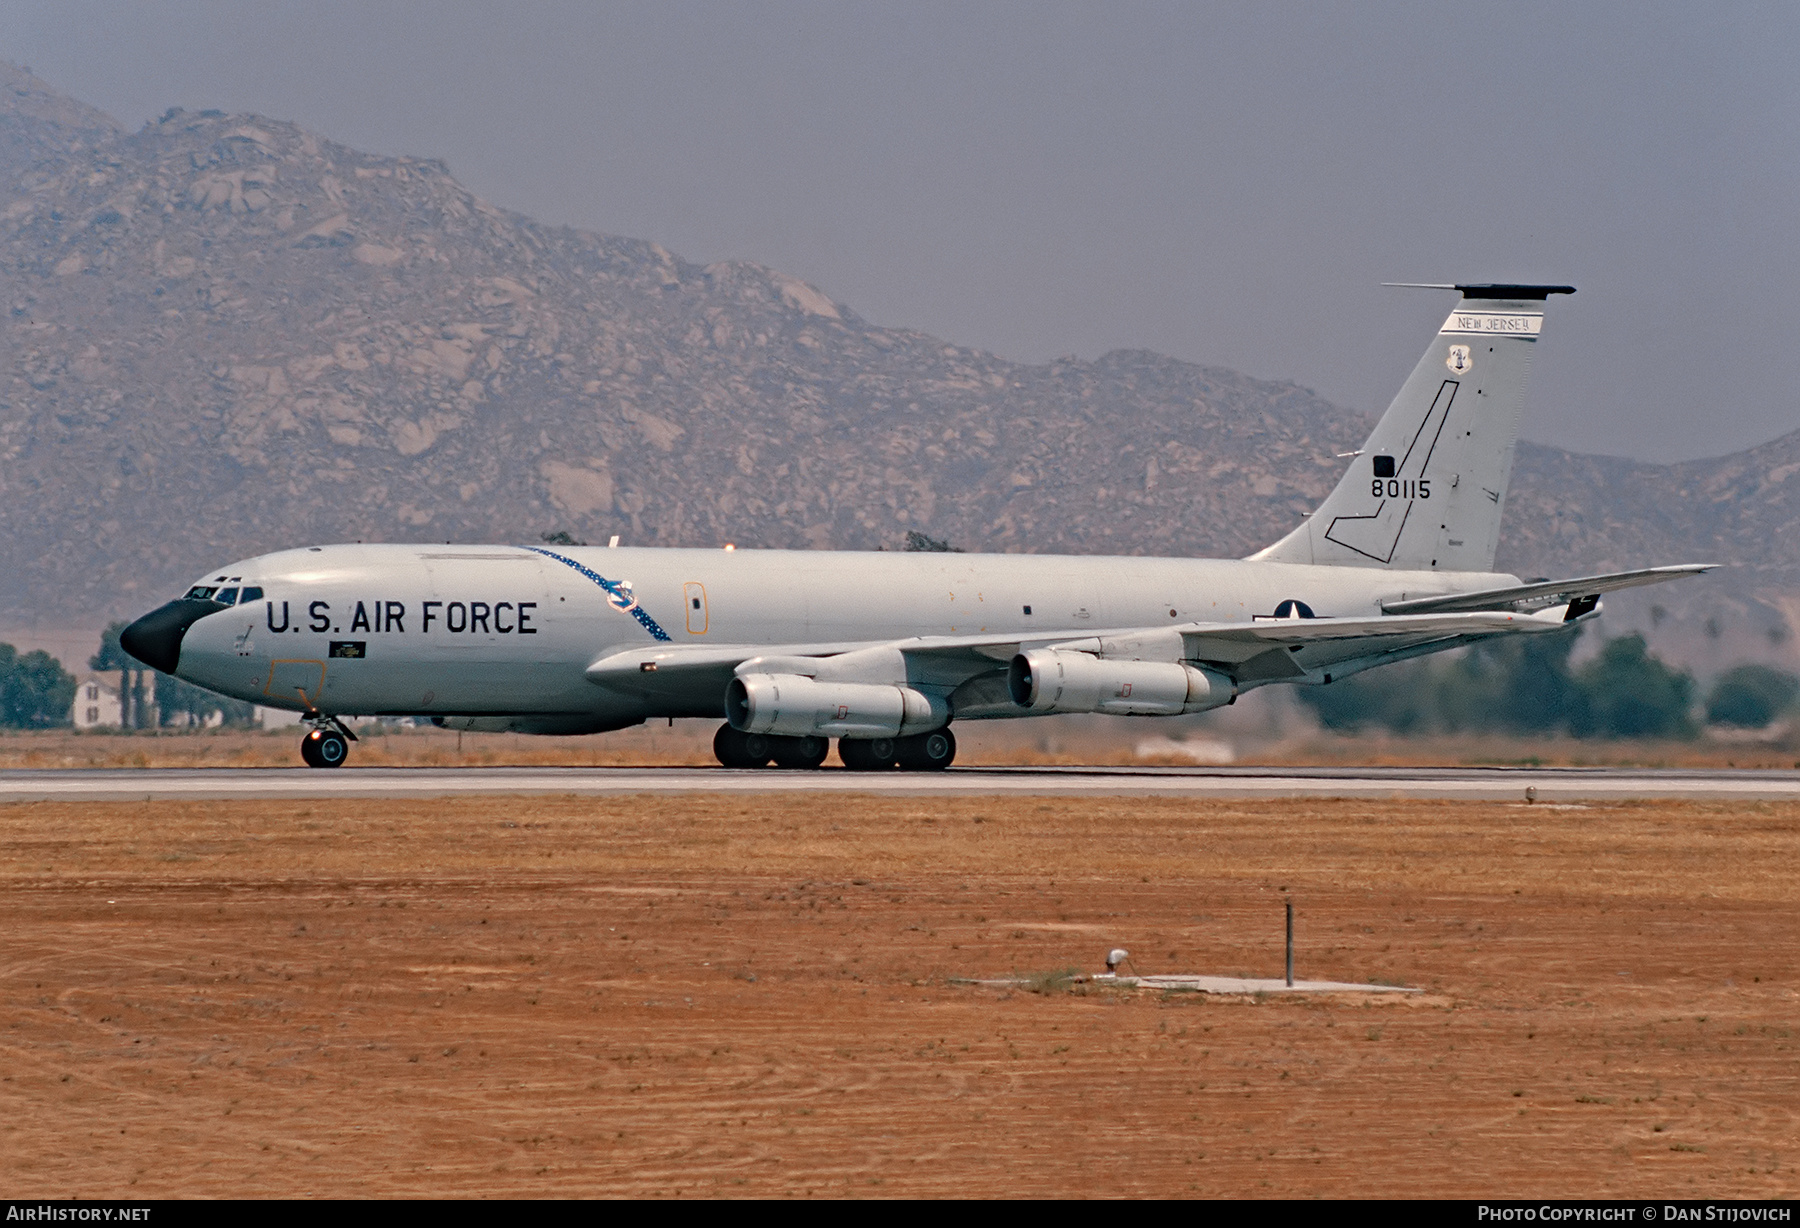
[{"x": 886, "y": 652}]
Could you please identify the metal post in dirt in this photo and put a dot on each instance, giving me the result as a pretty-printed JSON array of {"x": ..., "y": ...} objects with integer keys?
[{"x": 1290, "y": 943}]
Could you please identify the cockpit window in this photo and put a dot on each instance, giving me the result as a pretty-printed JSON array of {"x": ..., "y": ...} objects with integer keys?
[
  {"x": 227, "y": 596},
  {"x": 250, "y": 594},
  {"x": 201, "y": 592}
]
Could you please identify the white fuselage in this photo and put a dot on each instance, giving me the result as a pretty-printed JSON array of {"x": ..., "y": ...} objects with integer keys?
[{"x": 503, "y": 630}]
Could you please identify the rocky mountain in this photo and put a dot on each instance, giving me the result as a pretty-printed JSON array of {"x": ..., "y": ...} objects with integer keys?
[{"x": 223, "y": 334}]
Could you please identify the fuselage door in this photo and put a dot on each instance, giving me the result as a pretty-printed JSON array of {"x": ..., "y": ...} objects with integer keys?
[
  {"x": 694, "y": 594},
  {"x": 296, "y": 680}
]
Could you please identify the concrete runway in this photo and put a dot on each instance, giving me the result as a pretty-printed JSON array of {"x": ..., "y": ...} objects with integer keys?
[{"x": 1504, "y": 784}]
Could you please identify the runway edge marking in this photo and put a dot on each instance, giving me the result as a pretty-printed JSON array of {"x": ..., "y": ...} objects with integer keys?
[{"x": 179, "y": 785}]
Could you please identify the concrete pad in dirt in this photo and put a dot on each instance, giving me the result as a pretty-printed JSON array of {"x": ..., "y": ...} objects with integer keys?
[{"x": 1204, "y": 984}]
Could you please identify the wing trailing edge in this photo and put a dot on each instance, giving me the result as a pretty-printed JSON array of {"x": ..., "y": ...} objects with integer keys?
[{"x": 1545, "y": 592}]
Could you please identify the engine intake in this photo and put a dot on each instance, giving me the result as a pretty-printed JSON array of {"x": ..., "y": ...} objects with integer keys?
[
  {"x": 1046, "y": 680},
  {"x": 797, "y": 706}
]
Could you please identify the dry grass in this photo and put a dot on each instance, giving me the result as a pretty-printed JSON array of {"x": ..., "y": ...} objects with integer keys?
[
  {"x": 1000, "y": 743},
  {"x": 706, "y": 995},
  {"x": 685, "y": 744}
]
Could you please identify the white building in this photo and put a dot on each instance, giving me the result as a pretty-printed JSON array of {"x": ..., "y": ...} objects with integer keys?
[
  {"x": 97, "y": 706},
  {"x": 97, "y": 700}
]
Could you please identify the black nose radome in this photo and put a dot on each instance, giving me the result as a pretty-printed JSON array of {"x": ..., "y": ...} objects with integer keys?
[{"x": 155, "y": 639}]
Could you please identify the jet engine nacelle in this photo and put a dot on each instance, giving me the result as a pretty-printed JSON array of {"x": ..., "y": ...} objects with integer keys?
[
  {"x": 1046, "y": 680},
  {"x": 797, "y": 706}
]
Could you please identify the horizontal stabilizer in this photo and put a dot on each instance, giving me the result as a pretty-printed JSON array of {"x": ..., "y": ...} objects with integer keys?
[
  {"x": 1515, "y": 292},
  {"x": 1543, "y": 592}
]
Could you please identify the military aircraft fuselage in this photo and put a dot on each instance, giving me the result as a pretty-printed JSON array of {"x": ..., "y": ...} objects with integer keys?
[{"x": 478, "y": 630}]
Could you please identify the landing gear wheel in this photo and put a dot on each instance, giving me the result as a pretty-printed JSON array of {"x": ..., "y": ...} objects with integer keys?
[
  {"x": 868, "y": 754},
  {"x": 324, "y": 748},
  {"x": 808, "y": 752},
  {"x": 736, "y": 749},
  {"x": 927, "y": 752}
]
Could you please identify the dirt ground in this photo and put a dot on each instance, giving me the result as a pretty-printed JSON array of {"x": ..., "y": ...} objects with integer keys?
[{"x": 726, "y": 996}]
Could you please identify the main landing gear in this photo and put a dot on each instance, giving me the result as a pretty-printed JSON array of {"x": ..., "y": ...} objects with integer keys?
[
  {"x": 327, "y": 743},
  {"x": 924, "y": 752},
  {"x": 753, "y": 750}
]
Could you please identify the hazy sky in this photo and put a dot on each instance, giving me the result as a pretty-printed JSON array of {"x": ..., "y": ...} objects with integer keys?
[{"x": 1224, "y": 183}]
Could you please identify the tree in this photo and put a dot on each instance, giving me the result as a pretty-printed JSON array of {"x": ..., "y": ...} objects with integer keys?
[
  {"x": 181, "y": 703},
  {"x": 1521, "y": 684},
  {"x": 918, "y": 542},
  {"x": 1401, "y": 697},
  {"x": 1750, "y": 696},
  {"x": 112, "y": 657},
  {"x": 35, "y": 691},
  {"x": 1631, "y": 694}
]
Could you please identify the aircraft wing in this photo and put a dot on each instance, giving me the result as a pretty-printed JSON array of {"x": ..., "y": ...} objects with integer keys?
[
  {"x": 1231, "y": 643},
  {"x": 1265, "y": 650},
  {"x": 948, "y": 659},
  {"x": 663, "y": 671},
  {"x": 1549, "y": 592},
  {"x": 1273, "y": 649}
]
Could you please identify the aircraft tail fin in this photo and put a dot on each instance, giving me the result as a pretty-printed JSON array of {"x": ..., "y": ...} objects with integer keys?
[{"x": 1427, "y": 490}]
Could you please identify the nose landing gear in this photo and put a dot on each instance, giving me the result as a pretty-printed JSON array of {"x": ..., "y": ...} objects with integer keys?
[{"x": 327, "y": 743}]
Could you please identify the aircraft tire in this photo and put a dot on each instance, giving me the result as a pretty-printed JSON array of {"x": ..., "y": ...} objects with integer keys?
[
  {"x": 868, "y": 754},
  {"x": 735, "y": 749},
  {"x": 324, "y": 748},
  {"x": 805, "y": 753},
  {"x": 927, "y": 752}
]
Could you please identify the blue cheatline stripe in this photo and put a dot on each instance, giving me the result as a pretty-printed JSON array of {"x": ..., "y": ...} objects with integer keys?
[{"x": 612, "y": 589}]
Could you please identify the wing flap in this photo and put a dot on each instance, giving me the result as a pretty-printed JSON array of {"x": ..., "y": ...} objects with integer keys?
[
  {"x": 1255, "y": 652},
  {"x": 1550, "y": 592},
  {"x": 630, "y": 667}
]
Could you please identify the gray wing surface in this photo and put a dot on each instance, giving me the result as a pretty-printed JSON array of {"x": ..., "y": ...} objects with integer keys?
[
  {"x": 697, "y": 673},
  {"x": 973, "y": 668},
  {"x": 1547, "y": 592},
  {"x": 1293, "y": 649}
]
